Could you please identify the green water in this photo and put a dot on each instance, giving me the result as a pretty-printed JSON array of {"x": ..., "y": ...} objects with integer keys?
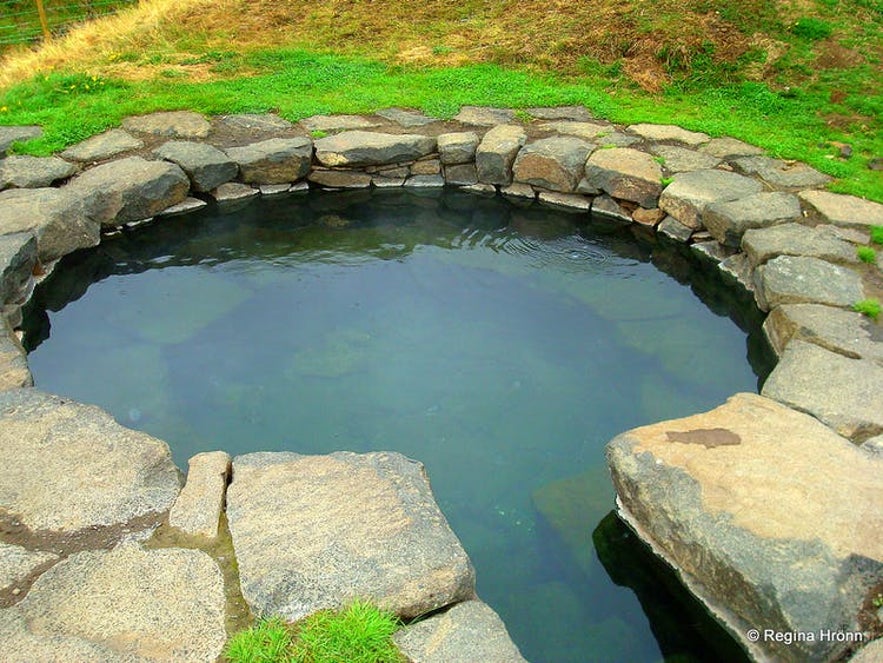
[{"x": 502, "y": 346}]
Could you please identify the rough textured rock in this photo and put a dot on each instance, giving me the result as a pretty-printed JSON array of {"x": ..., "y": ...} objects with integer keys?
[
  {"x": 870, "y": 653},
  {"x": 426, "y": 167},
  {"x": 627, "y": 174},
  {"x": 610, "y": 209},
  {"x": 130, "y": 189},
  {"x": 648, "y": 217},
  {"x": 729, "y": 148},
  {"x": 103, "y": 146},
  {"x": 425, "y": 181},
  {"x": 468, "y": 632},
  {"x": 769, "y": 517},
  {"x": 18, "y": 255},
  {"x": 569, "y": 202},
  {"x": 738, "y": 269},
  {"x": 841, "y": 210},
  {"x": 175, "y": 124},
  {"x": 57, "y": 217},
  {"x": 273, "y": 161},
  {"x": 799, "y": 280},
  {"x": 781, "y": 174},
  {"x": 484, "y": 116},
  {"x": 590, "y": 131},
  {"x": 552, "y": 163},
  {"x": 667, "y": 132},
  {"x": 231, "y": 191},
  {"x": 835, "y": 389},
  {"x": 198, "y": 507},
  {"x": 14, "y": 371},
  {"x": 67, "y": 466},
  {"x": 457, "y": 148},
  {"x": 187, "y": 205},
  {"x": 340, "y": 179},
  {"x": 845, "y": 332},
  {"x": 577, "y": 113},
  {"x": 9, "y": 135},
  {"x": 794, "y": 239},
  {"x": 156, "y": 605},
  {"x": 27, "y": 172},
  {"x": 405, "y": 118},
  {"x": 365, "y": 148},
  {"x": 727, "y": 221},
  {"x": 464, "y": 174},
  {"x": 17, "y": 563},
  {"x": 302, "y": 548},
  {"x": 689, "y": 193},
  {"x": 337, "y": 122},
  {"x": 496, "y": 153},
  {"x": 206, "y": 166},
  {"x": 518, "y": 191},
  {"x": 680, "y": 159},
  {"x": 263, "y": 122},
  {"x": 674, "y": 229}
]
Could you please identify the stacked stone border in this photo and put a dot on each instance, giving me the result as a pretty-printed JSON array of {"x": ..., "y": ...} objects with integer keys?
[{"x": 768, "y": 225}]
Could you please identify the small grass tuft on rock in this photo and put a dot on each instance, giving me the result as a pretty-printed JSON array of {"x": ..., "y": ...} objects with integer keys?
[
  {"x": 361, "y": 633},
  {"x": 866, "y": 254},
  {"x": 868, "y": 307},
  {"x": 877, "y": 235},
  {"x": 269, "y": 641}
]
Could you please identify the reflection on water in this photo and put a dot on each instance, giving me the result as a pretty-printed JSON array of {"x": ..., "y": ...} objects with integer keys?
[{"x": 503, "y": 346}]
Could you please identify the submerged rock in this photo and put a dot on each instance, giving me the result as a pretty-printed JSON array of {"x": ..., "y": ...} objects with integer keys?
[
  {"x": 301, "y": 547},
  {"x": 770, "y": 518}
]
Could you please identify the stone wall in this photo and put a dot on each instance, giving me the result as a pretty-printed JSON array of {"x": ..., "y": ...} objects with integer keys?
[{"x": 769, "y": 507}]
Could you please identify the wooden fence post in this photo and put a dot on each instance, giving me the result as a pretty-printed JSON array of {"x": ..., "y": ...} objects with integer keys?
[{"x": 43, "y": 22}]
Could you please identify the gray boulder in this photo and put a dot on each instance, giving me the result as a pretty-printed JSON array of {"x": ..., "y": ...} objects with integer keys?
[
  {"x": 846, "y": 332},
  {"x": 365, "y": 148},
  {"x": 689, "y": 193},
  {"x": 232, "y": 191},
  {"x": 680, "y": 159},
  {"x": 337, "y": 122},
  {"x": 266, "y": 123},
  {"x": 198, "y": 508},
  {"x": 457, "y": 148},
  {"x": 668, "y": 132},
  {"x": 18, "y": 256},
  {"x": 464, "y": 174},
  {"x": 58, "y": 218},
  {"x": 727, "y": 221},
  {"x": 340, "y": 179},
  {"x": 14, "y": 371},
  {"x": 273, "y": 161},
  {"x": 577, "y": 113},
  {"x": 103, "y": 146},
  {"x": 467, "y": 632},
  {"x": 841, "y": 210},
  {"x": 801, "y": 280},
  {"x": 301, "y": 548},
  {"x": 128, "y": 603},
  {"x": 837, "y": 390},
  {"x": 795, "y": 239},
  {"x": 131, "y": 189},
  {"x": 27, "y": 172},
  {"x": 9, "y": 135},
  {"x": 484, "y": 116},
  {"x": 627, "y": 174},
  {"x": 405, "y": 118},
  {"x": 496, "y": 153},
  {"x": 175, "y": 124},
  {"x": 729, "y": 148},
  {"x": 674, "y": 229},
  {"x": 552, "y": 163},
  {"x": 768, "y": 516},
  {"x": 206, "y": 166},
  {"x": 782, "y": 175},
  {"x": 590, "y": 131},
  {"x": 68, "y": 467}
]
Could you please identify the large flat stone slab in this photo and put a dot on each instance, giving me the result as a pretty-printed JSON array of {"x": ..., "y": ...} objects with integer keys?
[
  {"x": 198, "y": 508},
  {"x": 689, "y": 193},
  {"x": 669, "y": 132},
  {"x": 405, "y": 118},
  {"x": 769, "y": 517},
  {"x": 795, "y": 239},
  {"x": 337, "y": 122},
  {"x": 23, "y": 171},
  {"x": 366, "y": 148},
  {"x": 627, "y": 174},
  {"x": 552, "y": 163},
  {"x": 457, "y": 148},
  {"x": 103, "y": 146},
  {"x": 729, "y": 148},
  {"x": 313, "y": 532},
  {"x": 206, "y": 166},
  {"x": 496, "y": 153},
  {"x": 841, "y": 210},
  {"x": 468, "y": 632},
  {"x": 681, "y": 159},
  {"x": 844, "y": 393},
  {"x": 845, "y": 332},
  {"x": 782, "y": 175},
  {"x": 127, "y": 604},
  {"x": 65, "y": 466},
  {"x": 590, "y": 131},
  {"x": 58, "y": 218},
  {"x": 17, "y": 563},
  {"x": 484, "y": 116},
  {"x": 729, "y": 220},
  {"x": 130, "y": 189},
  {"x": 175, "y": 124},
  {"x": 804, "y": 280},
  {"x": 273, "y": 161}
]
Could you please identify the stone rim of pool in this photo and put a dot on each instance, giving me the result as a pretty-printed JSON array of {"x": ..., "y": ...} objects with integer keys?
[{"x": 823, "y": 372}]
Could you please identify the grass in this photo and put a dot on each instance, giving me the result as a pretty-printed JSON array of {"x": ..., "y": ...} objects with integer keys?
[
  {"x": 866, "y": 254},
  {"x": 360, "y": 633},
  {"x": 868, "y": 307},
  {"x": 762, "y": 72},
  {"x": 877, "y": 235}
]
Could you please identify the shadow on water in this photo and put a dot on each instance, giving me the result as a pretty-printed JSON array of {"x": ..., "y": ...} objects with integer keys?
[{"x": 501, "y": 344}]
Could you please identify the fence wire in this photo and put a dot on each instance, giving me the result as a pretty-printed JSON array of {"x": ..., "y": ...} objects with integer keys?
[{"x": 20, "y": 19}]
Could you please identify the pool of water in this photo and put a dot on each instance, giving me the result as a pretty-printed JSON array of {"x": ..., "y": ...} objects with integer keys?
[{"x": 501, "y": 345}]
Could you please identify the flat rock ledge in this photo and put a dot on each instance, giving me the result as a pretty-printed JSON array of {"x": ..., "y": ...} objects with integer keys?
[
  {"x": 300, "y": 548},
  {"x": 770, "y": 518}
]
